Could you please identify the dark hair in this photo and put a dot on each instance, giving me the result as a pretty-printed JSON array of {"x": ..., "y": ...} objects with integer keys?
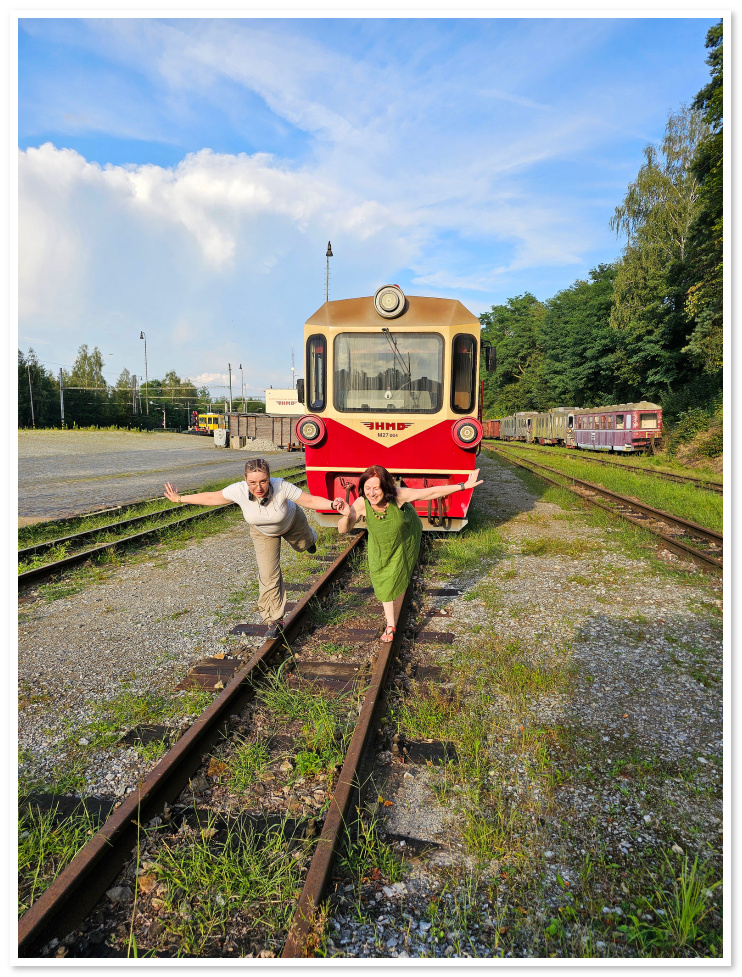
[
  {"x": 385, "y": 481},
  {"x": 257, "y": 465}
]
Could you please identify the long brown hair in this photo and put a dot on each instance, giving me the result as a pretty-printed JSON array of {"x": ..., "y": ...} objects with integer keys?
[{"x": 386, "y": 482}]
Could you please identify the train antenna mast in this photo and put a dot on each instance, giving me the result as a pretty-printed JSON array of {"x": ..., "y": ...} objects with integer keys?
[{"x": 328, "y": 255}]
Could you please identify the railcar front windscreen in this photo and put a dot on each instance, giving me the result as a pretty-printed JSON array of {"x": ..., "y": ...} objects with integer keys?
[{"x": 381, "y": 373}]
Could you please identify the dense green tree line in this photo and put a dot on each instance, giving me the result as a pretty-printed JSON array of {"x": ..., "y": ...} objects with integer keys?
[
  {"x": 89, "y": 401},
  {"x": 649, "y": 325}
]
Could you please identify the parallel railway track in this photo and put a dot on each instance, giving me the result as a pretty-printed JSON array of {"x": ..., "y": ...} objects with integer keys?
[
  {"x": 655, "y": 521},
  {"x": 67, "y": 904},
  {"x": 77, "y": 541},
  {"x": 589, "y": 457}
]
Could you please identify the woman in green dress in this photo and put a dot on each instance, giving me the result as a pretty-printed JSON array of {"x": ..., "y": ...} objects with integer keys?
[{"x": 394, "y": 531}]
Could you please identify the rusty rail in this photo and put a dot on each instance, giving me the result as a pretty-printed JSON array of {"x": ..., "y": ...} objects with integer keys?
[
  {"x": 696, "y": 556},
  {"x": 304, "y": 934},
  {"x": 77, "y": 889}
]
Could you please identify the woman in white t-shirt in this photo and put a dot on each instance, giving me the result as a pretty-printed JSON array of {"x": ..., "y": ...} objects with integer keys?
[{"x": 273, "y": 509}]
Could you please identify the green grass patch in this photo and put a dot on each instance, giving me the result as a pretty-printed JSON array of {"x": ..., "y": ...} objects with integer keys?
[
  {"x": 209, "y": 887},
  {"x": 46, "y": 846}
]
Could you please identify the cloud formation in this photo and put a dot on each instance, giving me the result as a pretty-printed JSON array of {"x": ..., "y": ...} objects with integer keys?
[{"x": 471, "y": 157}]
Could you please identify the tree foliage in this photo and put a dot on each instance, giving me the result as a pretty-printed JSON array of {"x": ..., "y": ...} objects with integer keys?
[{"x": 704, "y": 306}]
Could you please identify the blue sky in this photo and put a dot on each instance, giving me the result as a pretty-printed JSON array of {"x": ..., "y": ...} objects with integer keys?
[{"x": 183, "y": 176}]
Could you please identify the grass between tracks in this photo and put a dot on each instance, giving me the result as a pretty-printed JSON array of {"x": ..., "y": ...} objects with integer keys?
[
  {"x": 685, "y": 501},
  {"x": 580, "y": 844}
]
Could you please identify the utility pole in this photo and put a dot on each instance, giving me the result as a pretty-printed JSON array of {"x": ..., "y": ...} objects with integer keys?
[
  {"x": 229, "y": 365},
  {"x": 146, "y": 375},
  {"x": 328, "y": 255},
  {"x": 163, "y": 419},
  {"x": 242, "y": 374},
  {"x": 61, "y": 395},
  {"x": 292, "y": 366},
  {"x": 30, "y": 391}
]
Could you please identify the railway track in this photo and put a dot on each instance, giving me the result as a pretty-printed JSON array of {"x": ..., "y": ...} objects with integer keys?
[
  {"x": 655, "y": 521},
  {"x": 184, "y": 789},
  {"x": 86, "y": 544},
  {"x": 587, "y": 456}
]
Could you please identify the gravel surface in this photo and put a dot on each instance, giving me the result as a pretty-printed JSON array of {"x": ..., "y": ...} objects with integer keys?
[
  {"x": 645, "y": 653},
  {"x": 62, "y": 473}
]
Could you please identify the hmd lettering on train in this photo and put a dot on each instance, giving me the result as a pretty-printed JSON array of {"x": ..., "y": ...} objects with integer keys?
[{"x": 387, "y": 425}]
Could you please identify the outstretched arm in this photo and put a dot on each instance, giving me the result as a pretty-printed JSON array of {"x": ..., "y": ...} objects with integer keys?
[
  {"x": 315, "y": 502},
  {"x": 437, "y": 491},
  {"x": 198, "y": 498}
]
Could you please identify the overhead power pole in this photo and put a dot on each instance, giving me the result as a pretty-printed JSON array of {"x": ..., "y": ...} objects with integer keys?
[{"x": 61, "y": 395}]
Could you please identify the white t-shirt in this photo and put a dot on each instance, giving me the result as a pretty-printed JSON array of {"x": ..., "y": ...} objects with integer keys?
[{"x": 273, "y": 518}]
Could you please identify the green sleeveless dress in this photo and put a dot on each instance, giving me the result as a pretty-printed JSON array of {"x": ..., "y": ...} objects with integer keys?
[{"x": 393, "y": 545}]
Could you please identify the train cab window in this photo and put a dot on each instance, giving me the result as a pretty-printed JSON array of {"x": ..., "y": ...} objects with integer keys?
[
  {"x": 619, "y": 422},
  {"x": 647, "y": 421},
  {"x": 463, "y": 374},
  {"x": 316, "y": 373},
  {"x": 388, "y": 371}
]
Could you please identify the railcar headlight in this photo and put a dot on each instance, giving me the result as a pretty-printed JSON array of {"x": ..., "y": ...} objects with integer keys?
[
  {"x": 310, "y": 429},
  {"x": 389, "y": 301},
  {"x": 467, "y": 432}
]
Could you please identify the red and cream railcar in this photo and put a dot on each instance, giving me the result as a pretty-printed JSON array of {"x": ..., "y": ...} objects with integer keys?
[
  {"x": 620, "y": 427},
  {"x": 392, "y": 380},
  {"x": 491, "y": 428}
]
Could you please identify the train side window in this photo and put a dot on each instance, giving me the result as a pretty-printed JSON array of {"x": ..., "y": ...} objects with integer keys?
[
  {"x": 316, "y": 373},
  {"x": 619, "y": 422},
  {"x": 602, "y": 422},
  {"x": 463, "y": 373},
  {"x": 628, "y": 422},
  {"x": 609, "y": 422}
]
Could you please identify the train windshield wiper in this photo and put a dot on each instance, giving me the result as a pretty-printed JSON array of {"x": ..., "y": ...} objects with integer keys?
[{"x": 406, "y": 368}]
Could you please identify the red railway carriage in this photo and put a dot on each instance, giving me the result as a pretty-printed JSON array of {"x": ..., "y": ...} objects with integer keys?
[
  {"x": 392, "y": 380},
  {"x": 491, "y": 428},
  {"x": 619, "y": 427}
]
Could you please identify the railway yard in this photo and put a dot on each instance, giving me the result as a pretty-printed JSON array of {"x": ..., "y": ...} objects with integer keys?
[{"x": 542, "y": 774}]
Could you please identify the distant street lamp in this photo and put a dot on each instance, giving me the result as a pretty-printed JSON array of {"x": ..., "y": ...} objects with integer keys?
[
  {"x": 328, "y": 255},
  {"x": 146, "y": 378},
  {"x": 30, "y": 393}
]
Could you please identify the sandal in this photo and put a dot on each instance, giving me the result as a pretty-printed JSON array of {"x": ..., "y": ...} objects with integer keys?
[{"x": 388, "y": 635}]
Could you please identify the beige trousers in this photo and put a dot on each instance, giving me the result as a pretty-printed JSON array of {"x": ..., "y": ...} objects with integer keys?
[{"x": 272, "y": 593}]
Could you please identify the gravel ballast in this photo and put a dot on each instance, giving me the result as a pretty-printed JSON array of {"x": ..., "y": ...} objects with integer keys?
[{"x": 643, "y": 652}]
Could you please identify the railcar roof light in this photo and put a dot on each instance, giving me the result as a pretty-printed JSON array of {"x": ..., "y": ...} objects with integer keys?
[{"x": 389, "y": 301}]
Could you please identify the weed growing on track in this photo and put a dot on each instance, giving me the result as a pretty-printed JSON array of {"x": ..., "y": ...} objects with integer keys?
[
  {"x": 46, "y": 844},
  {"x": 246, "y": 763},
  {"x": 246, "y": 881}
]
